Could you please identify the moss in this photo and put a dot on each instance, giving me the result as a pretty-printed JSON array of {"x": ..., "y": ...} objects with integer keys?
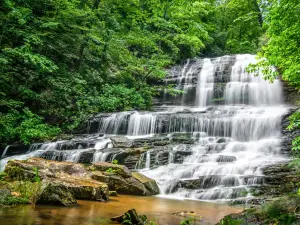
[
  {"x": 7, "y": 199},
  {"x": 14, "y": 172},
  {"x": 12, "y": 200},
  {"x": 279, "y": 211}
]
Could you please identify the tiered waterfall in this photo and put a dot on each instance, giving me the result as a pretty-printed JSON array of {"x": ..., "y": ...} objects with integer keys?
[{"x": 210, "y": 143}]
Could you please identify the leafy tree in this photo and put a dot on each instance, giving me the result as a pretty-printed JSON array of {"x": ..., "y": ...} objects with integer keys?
[{"x": 64, "y": 60}]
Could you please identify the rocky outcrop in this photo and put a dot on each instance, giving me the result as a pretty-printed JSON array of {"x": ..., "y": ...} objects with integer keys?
[
  {"x": 288, "y": 135},
  {"x": 291, "y": 95},
  {"x": 279, "y": 179},
  {"x": 65, "y": 175},
  {"x": 63, "y": 182}
]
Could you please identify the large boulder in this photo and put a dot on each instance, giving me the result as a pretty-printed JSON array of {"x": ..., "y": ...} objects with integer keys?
[
  {"x": 120, "y": 179},
  {"x": 149, "y": 184},
  {"x": 72, "y": 176},
  {"x": 54, "y": 192}
]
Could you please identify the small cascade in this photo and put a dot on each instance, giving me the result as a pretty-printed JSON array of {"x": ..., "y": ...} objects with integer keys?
[
  {"x": 148, "y": 162},
  {"x": 245, "y": 88},
  {"x": 205, "y": 84},
  {"x": 209, "y": 143},
  {"x": 141, "y": 124},
  {"x": 100, "y": 156}
]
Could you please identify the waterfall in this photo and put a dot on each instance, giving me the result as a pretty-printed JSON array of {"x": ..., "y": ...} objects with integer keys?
[
  {"x": 217, "y": 136},
  {"x": 205, "y": 84},
  {"x": 141, "y": 124}
]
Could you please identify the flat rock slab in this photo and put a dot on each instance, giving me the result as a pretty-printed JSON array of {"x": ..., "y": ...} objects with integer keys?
[
  {"x": 117, "y": 169},
  {"x": 121, "y": 142}
]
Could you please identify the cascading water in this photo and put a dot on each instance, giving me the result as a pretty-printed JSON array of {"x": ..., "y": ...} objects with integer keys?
[
  {"x": 214, "y": 140},
  {"x": 205, "y": 84}
]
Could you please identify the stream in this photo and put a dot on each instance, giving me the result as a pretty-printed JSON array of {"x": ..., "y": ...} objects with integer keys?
[{"x": 90, "y": 212}]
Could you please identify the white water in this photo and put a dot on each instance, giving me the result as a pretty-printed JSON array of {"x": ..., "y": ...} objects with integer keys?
[
  {"x": 251, "y": 121},
  {"x": 234, "y": 139},
  {"x": 205, "y": 84}
]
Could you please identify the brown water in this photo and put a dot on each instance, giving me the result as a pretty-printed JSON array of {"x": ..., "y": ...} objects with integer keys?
[{"x": 91, "y": 213}]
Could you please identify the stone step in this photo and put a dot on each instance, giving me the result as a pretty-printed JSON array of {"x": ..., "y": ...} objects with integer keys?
[{"x": 208, "y": 182}]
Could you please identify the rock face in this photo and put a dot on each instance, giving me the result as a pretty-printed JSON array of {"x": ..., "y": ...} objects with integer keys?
[
  {"x": 64, "y": 182},
  {"x": 56, "y": 193},
  {"x": 120, "y": 179},
  {"x": 279, "y": 179},
  {"x": 287, "y": 135},
  {"x": 121, "y": 142},
  {"x": 149, "y": 184}
]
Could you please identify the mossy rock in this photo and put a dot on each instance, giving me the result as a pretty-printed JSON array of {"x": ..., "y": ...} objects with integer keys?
[
  {"x": 121, "y": 170},
  {"x": 56, "y": 194},
  {"x": 149, "y": 183},
  {"x": 6, "y": 198},
  {"x": 113, "y": 193}
]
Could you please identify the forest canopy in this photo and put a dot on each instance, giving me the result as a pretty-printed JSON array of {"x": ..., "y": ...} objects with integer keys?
[{"x": 64, "y": 60}]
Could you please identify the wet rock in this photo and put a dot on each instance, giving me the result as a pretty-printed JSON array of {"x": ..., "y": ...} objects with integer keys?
[
  {"x": 131, "y": 217},
  {"x": 13, "y": 150},
  {"x": 86, "y": 157},
  {"x": 56, "y": 193},
  {"x": 288, "y": 135},
  {"x": 149, "y": 184},
  {"x": 278, "y": 180},
  {"x": 120, "y": 179},
  {"x": 222, "y": 140},
  {"x": 122, "y": 185},
  {"x": 223, "y": 158},
  {"x": 113, "y": 193},
  {"x": 121, "y": 142}
]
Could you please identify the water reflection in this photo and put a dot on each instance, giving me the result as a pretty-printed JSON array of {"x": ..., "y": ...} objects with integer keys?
[{"x": 90, "y": 213}]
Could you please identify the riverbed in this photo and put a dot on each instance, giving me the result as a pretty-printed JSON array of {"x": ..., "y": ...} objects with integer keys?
[{"x": 90, "y": 212}]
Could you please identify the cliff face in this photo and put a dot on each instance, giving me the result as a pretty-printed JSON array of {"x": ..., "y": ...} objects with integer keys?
[{"x": 292, "y": 98}]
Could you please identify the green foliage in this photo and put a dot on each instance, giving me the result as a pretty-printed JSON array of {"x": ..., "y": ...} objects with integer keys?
[
  {"x": 188, "y": 221},
  {"x": 29, "y": 190},
  {"x": 12, "y": 200},
  {"x": 110, "y": 170},
  {"x": 238, "y": 27},
  {"x": 230, "y": 221},
  {"x": 36, "y": 175},
  {"x": 276, "y": 212},
  {"x": 3, "y": 176},
  {"x": 62, "y": 61},
  {"x": 115, "y": 162},
  {"x": 282, "y": 44}
]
